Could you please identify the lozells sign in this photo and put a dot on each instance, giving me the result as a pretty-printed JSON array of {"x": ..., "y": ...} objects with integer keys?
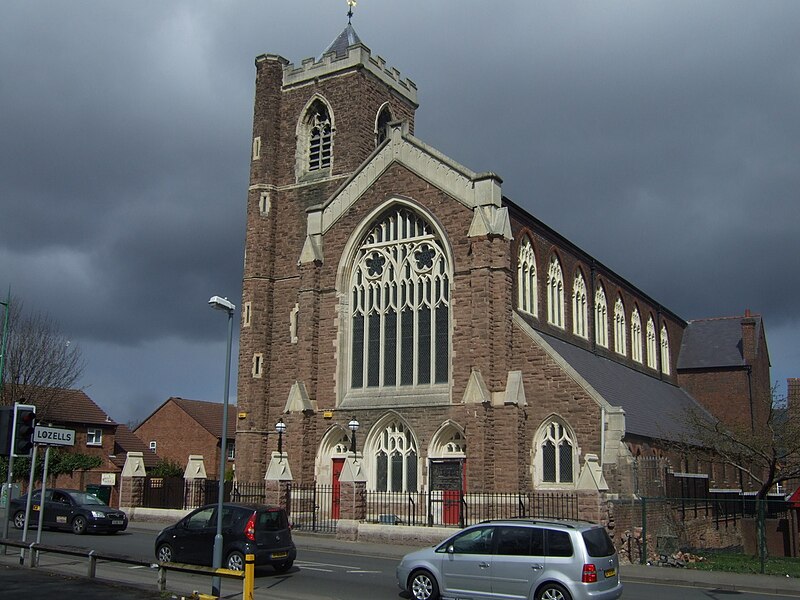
[{"x": 53, "y": 436}]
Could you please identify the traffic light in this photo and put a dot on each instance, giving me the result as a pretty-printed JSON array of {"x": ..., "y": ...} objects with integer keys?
[
  {"x": 6, "y": 425},
  {"x": 24, "y": 422}
]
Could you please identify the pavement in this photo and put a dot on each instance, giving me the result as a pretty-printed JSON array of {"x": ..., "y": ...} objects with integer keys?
[{"x": 35, "y": 584}]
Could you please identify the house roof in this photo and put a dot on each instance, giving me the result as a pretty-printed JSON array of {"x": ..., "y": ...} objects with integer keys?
[
  {"x": 653, "y": 407},
  {"x": 74, "y": 406},
  {"x": 714, "y": 343},
  {"x": 126, "y": 441},
  {"x": 208, "y": 415}
]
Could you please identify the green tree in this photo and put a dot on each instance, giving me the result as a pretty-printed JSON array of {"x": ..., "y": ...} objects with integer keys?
[{"x": 166, "y": 468}]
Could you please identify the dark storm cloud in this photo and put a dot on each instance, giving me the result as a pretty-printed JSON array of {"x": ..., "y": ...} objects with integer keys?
[{"x": 661, "y": 137}]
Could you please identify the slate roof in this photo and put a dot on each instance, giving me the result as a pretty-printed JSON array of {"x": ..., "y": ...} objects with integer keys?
[
  {"x": 126, "y": 441},
  {"x": 209, "y": 415},
  {"x": 714, "y": 343},
  {"x": 653, "y": 408},
  {"x": 343, "y": 41}
]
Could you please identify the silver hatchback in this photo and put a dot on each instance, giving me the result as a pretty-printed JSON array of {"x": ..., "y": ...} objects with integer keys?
[{"x": 516, "y": 558}]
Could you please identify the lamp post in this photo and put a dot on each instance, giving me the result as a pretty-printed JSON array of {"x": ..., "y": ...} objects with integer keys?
[
  {"x": 280, "y": 427},
  {"x": 222, "y": 304},
  {"x": 353, "y": 425}
]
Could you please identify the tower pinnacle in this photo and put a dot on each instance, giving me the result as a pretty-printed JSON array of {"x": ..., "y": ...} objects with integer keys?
[{"x": 350, "y": 4}]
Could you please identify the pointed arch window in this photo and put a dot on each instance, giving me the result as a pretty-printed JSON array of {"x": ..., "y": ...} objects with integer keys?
[
  {"x": 600, "y": 317},
  {"x": 555, "y": 294},
  {"x": 620, "y": 345},
  {"x": 652, "y": 352},
  {"x": 665, "y": 359},
  {"x": 557, "y": 454},
  {"x": 580, "y": 315},
  {"x": 396, "y": 459},
  {"x": 382, "y": 125},
  {"x": 400, "y": 306},
  {"x": 527, "y": 289},
  {"x": 636, "y": 336},
  {"x": 315, "y": 140}
]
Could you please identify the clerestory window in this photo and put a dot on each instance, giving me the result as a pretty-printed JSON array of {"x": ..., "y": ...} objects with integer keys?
[
  {"x": 652, "y": 352},
  {"x": 555, "y": 294},
  {"x": 580, "y": 314},
  {"x": 665, "y": 360},
  {"x": 620, "y": 345},
  {"x": 400, "y": 306},
  {"x": 527, "y": 290},
  {"x": 636, "y": 336},
  {"x": 600, "y": 318}
]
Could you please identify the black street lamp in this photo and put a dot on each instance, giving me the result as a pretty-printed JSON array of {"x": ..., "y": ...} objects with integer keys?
[
  {"x": 280, "y": 427},
  {"x": 353, "y": 425}
]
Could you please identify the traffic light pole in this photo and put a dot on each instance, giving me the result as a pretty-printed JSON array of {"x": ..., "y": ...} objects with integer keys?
[{"x": 28, "y": 505}]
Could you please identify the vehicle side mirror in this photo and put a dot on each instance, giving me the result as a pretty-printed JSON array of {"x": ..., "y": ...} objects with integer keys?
[{"x": 451, "y": 549}]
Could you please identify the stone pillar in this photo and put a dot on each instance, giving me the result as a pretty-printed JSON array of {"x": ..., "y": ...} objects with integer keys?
[
  {"x": 131, "y": 484},
  {"x": 353, "y": 489},
  {"x": 195, "y": 477},
  {"x": 278, "y": 481}
]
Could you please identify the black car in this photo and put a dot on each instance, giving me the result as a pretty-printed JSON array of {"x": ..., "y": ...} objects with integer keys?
[
  {"x": 255, "y": 529},
  {"x": 69, "y": 509}
]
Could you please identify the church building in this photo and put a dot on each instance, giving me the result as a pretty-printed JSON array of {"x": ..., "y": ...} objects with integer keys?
[{"x": 395, "y": 303}]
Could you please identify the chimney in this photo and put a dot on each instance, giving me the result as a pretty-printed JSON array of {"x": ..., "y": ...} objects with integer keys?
[
  {"x": 793, "y": 393},
  {"x": 748, "y": 337}
]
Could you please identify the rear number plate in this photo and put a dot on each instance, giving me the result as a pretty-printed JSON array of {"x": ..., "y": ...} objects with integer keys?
[
  {"x": 610, "y": 573},
  {"x": 280, "y": 554},
  {"x": 117, "y": 522}
]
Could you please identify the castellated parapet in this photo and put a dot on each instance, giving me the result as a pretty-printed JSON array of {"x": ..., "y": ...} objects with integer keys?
[{"x": 358, "y": 56}]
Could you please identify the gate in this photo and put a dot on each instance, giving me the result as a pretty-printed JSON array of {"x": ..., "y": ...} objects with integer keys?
[{"x": 163, "y": 492}]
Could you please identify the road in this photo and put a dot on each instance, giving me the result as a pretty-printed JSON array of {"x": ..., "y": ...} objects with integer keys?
[{"x": 318, "y": 574}]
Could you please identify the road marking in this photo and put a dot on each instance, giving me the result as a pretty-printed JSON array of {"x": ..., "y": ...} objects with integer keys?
[{"x": 365, "y": 572}]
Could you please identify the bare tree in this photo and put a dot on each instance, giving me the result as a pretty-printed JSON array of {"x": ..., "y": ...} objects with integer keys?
[
  {"x": 39, "y": 359},
  {"x": 768, "y": 453}
]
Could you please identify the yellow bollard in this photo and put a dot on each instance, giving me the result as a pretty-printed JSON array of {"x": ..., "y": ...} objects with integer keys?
[{"x": 249, "y": 577}]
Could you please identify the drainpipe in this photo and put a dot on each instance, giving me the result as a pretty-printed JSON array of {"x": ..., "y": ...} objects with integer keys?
[{"x": 750, "y": 396}]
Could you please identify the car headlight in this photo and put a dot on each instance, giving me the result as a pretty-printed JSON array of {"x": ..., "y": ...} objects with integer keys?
[{"x": 98, "y": 515}]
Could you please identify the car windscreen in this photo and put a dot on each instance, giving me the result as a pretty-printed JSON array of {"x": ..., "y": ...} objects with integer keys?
[
  {"x": 272, "y": 520},
  {"x": 90, "y": 499},
  {"x": 597, "y": 542}
]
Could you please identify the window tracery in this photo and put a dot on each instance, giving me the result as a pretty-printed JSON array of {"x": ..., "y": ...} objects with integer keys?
[
  {"x": 580, "y": 315},
  {"x": 527, "y": 290},
  {"x": 555, "y": 294}
]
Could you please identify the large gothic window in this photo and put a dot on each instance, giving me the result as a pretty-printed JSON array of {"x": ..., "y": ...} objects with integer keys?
[
  {"x": 652, "y": 353},
  {"x": 395, "y": 453},
  {"x": 400, "y": 306},
  {"x": 555, "y": 294},
  {"x": 636, "y": 336},
  {"x": 665, "y": 369},
  {"x": 600, "y": 317},
  {"x": 580, "y": 313},
  {"x": 620, "y": 346},
  {"x": 557, "y": 454},
  {"x": 527, "y": 292}
]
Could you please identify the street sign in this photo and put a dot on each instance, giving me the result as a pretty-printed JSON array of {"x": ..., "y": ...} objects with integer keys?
[{"x": 53, "y": 436}]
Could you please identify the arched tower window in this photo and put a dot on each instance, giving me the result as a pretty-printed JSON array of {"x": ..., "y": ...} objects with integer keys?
[
  {"x": 652, "y": 352},
  {"x": 396, "y": 458},
  {"x": 556, "y": 454},
  {"x": 399, "y": 306},
  {"x": 527, "y": 290},
  {"x": 620, "y": 345},
  {"x": 315, "y": 139},
  {"x": 665, "y": 361},
  {"x": 382, "y": 124},
  {"x": 555, "y": 294},
  {"x": 636, "y": 335},
  {"x": 600, "y": 317},
  {"x": 580, "y": 314}
]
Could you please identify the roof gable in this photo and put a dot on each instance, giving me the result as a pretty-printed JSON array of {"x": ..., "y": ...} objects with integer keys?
[
  {"x": 74, "y": 406},
  {"x": 206, "y": 414}
]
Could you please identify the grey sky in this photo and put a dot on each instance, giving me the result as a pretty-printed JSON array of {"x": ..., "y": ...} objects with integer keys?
[{"x": 662, "y": 137}]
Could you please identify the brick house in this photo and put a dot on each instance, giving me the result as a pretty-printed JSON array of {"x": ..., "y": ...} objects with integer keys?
[
  {"x": 386, "y": 283},
  {"x": 179, "y": 428},
  {"x": 96, "y": 434}
]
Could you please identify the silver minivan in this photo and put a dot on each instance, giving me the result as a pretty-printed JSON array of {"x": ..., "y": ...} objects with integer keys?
[{"x": 526, "y": 559}]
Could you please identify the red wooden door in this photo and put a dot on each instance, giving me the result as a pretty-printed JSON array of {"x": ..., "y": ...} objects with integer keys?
[
  {"x": 451, "y": 500},
  {"x": 338, "y": 464}
]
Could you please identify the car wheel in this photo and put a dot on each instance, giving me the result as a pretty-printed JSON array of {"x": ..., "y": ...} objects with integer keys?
[
  {"x": 235, "y": 561},
  {"x": 423, "y": 586},
  {"x": 553, "y": 591},
  {"x": 19, "y": 519},
  {"x": 164, "y": 553},
  {"x": 79, "y": 525},
  {"x": 284, "y": 566}
]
